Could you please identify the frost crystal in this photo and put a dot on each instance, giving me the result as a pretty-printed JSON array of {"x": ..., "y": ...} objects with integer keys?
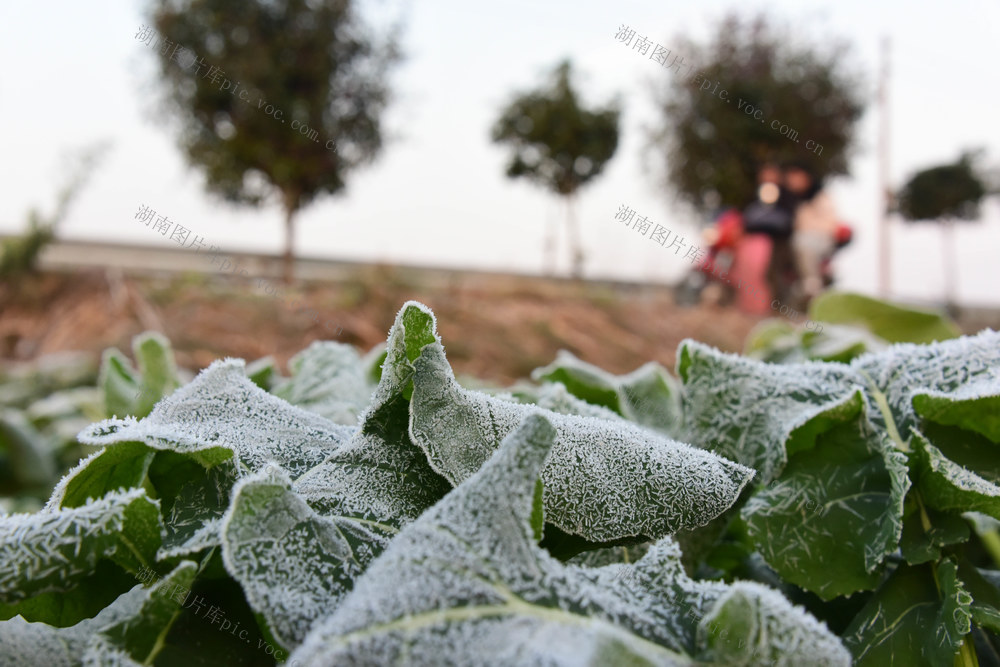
[
  {"x": 466, "y": 584},
  {"x": 222, "y": 408}
]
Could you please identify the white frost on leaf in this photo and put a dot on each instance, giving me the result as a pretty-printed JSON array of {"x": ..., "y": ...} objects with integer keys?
[
  {"x": 604, "y": 480},
  {"x": 751, "y": 624},
  {"x": 745, "y": 410},
  {"x": 467, "y": 584},
  {"x": 330, "y": 379},
  {"x": 24, "y": 643},
  {"x": 49, "y": 551},
  {"x": 380, "y": 475},
  {"x": 128, "y": 626},
  {"x": 905, "y": 370},
  {"x": 221, "y": 408},
  {"x": 293, "y": 564}
]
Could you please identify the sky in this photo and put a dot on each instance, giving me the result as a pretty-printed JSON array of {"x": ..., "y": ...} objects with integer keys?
[{"x": 73, "y": 74}]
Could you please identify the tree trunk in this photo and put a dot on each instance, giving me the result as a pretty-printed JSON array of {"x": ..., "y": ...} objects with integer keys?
[
  {"x": 549, "y": 252},
  {"x": 288, "y": 261},
  {"x": 950, "y": 298},
  {"x": 573, "y": 229}
]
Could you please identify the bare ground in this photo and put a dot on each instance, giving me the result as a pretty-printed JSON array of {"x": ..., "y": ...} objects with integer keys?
[{"x": 497, "y": 328}]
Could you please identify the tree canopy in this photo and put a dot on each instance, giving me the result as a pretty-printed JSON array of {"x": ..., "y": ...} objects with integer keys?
[
  {"x": 274, "y": 97},
  {"x": 554, "y": 140},
  {"x": 783, "y": 101},
  {"x": 557, "y": 143},
  {"x": 948, "y": 191}
]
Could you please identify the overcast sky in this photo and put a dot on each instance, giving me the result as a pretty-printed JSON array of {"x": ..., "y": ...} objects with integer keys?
[{"x": 73, "y": 74}]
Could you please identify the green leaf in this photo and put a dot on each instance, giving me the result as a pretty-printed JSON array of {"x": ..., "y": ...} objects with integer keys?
[
  {"x": 894, "y": 323},
  {"x": 141, "y": 636},
  {"x": 750, "y": 415},
  {"x": 193, "y": 517},
  {"x": 974, "y": 406},
  {"x": 840, "y": 343},
  {"x": 651, "y": 396},
  {"x": 777, "y": 341},
  {"x": 948, "y": 486},
  {"x": 221, "y": 414},
  {"x": 293, "y": 564},
  {"x": 836, "y": 511},
  {"x": 119, "y": 381},
  {"x": 583, "y": 380},
  {"x": 131, "y": 392},
  {"x": 538, "y": 511},
  {"x": 985, "y": 606},
  {"x": 555, "y": 397},
  {"x": 119, "y": 467},
  {"x": 25, "y": 452},
  {"x": 126, "y": 632},
  {"x": 467, "y": 580},
  {"x": 604, "y": 480},
  {"x": 263, "y": 373},
  {"x": 922, "y": 545},
  {"x": 917, "y": 617},
  {"x": 53, "y": 551},
  {"x": 372, "y": 363},
  {"x": 769, "y": 336},
  {"x": 329, "y": 379},
  {"x": 64, "y": 608},
  {"x": 648, "y": 395},
  {"x": 37, "y": 643},
  {"x": 905, "y": 371}
]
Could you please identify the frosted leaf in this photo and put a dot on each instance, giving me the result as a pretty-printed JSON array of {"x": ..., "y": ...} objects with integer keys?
[
  {"x": 918, "y": 616},
  {"x": 122, "y": 466},
  {"x": 648, "y": 395},
  {"x": 585, "y": 381},
  {"x": 141, "y": 634},
  {"x": 380, "y": 475},
  {"x": 24, "y": 643},
  {"x": 555, "y": 397},
  {"x": 101, "y": 653},
  {"x": 975, "y": 406},
  {"x": 28, "y": 454},
  {"x": 52, "y": 551},
  {"x": 223, "y": 410},
  {"x": 947, "y": 485},
  {"x": 293, "y": 564},
  {"x": 466, "y": 584},
  {"x": 904, "y": 371},
  {"x": 753, "y": 625},
  {"x": 130, "y": 392},
  {"x": 329, "y": 379},
  {"x": 745, "y": 410},
  {"x": 836, "y": 511},
  {"x": 126, "y": 630},
  {"x": 194, "y": 519},
  {"x": 610, "y": 556},
  {"x": 605, "y": 480}
]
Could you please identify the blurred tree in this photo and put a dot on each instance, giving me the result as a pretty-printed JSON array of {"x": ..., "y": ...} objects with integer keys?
[
  {"x": 557, "y": 143},
  {"x": 711, "y": 145},
  {"x": 944, "y": 194},
  {"x": 274, "y": 97}
]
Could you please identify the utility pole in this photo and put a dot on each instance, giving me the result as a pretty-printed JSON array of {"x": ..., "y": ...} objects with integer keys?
[{"x": 885, "y": 192}]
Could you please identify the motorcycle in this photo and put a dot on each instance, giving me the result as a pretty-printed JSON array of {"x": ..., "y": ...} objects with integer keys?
[{"x": 722, "y": 239}]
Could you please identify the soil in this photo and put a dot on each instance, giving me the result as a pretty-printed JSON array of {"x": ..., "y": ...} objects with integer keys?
[{"x": 494, "y": 327}]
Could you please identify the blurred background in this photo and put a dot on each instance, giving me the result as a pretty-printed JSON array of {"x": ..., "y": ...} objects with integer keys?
[{"x": 476, "y": 157}]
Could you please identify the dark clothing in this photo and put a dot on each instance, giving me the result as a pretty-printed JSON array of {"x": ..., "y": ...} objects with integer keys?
[{"x": 777, "y": 222}]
